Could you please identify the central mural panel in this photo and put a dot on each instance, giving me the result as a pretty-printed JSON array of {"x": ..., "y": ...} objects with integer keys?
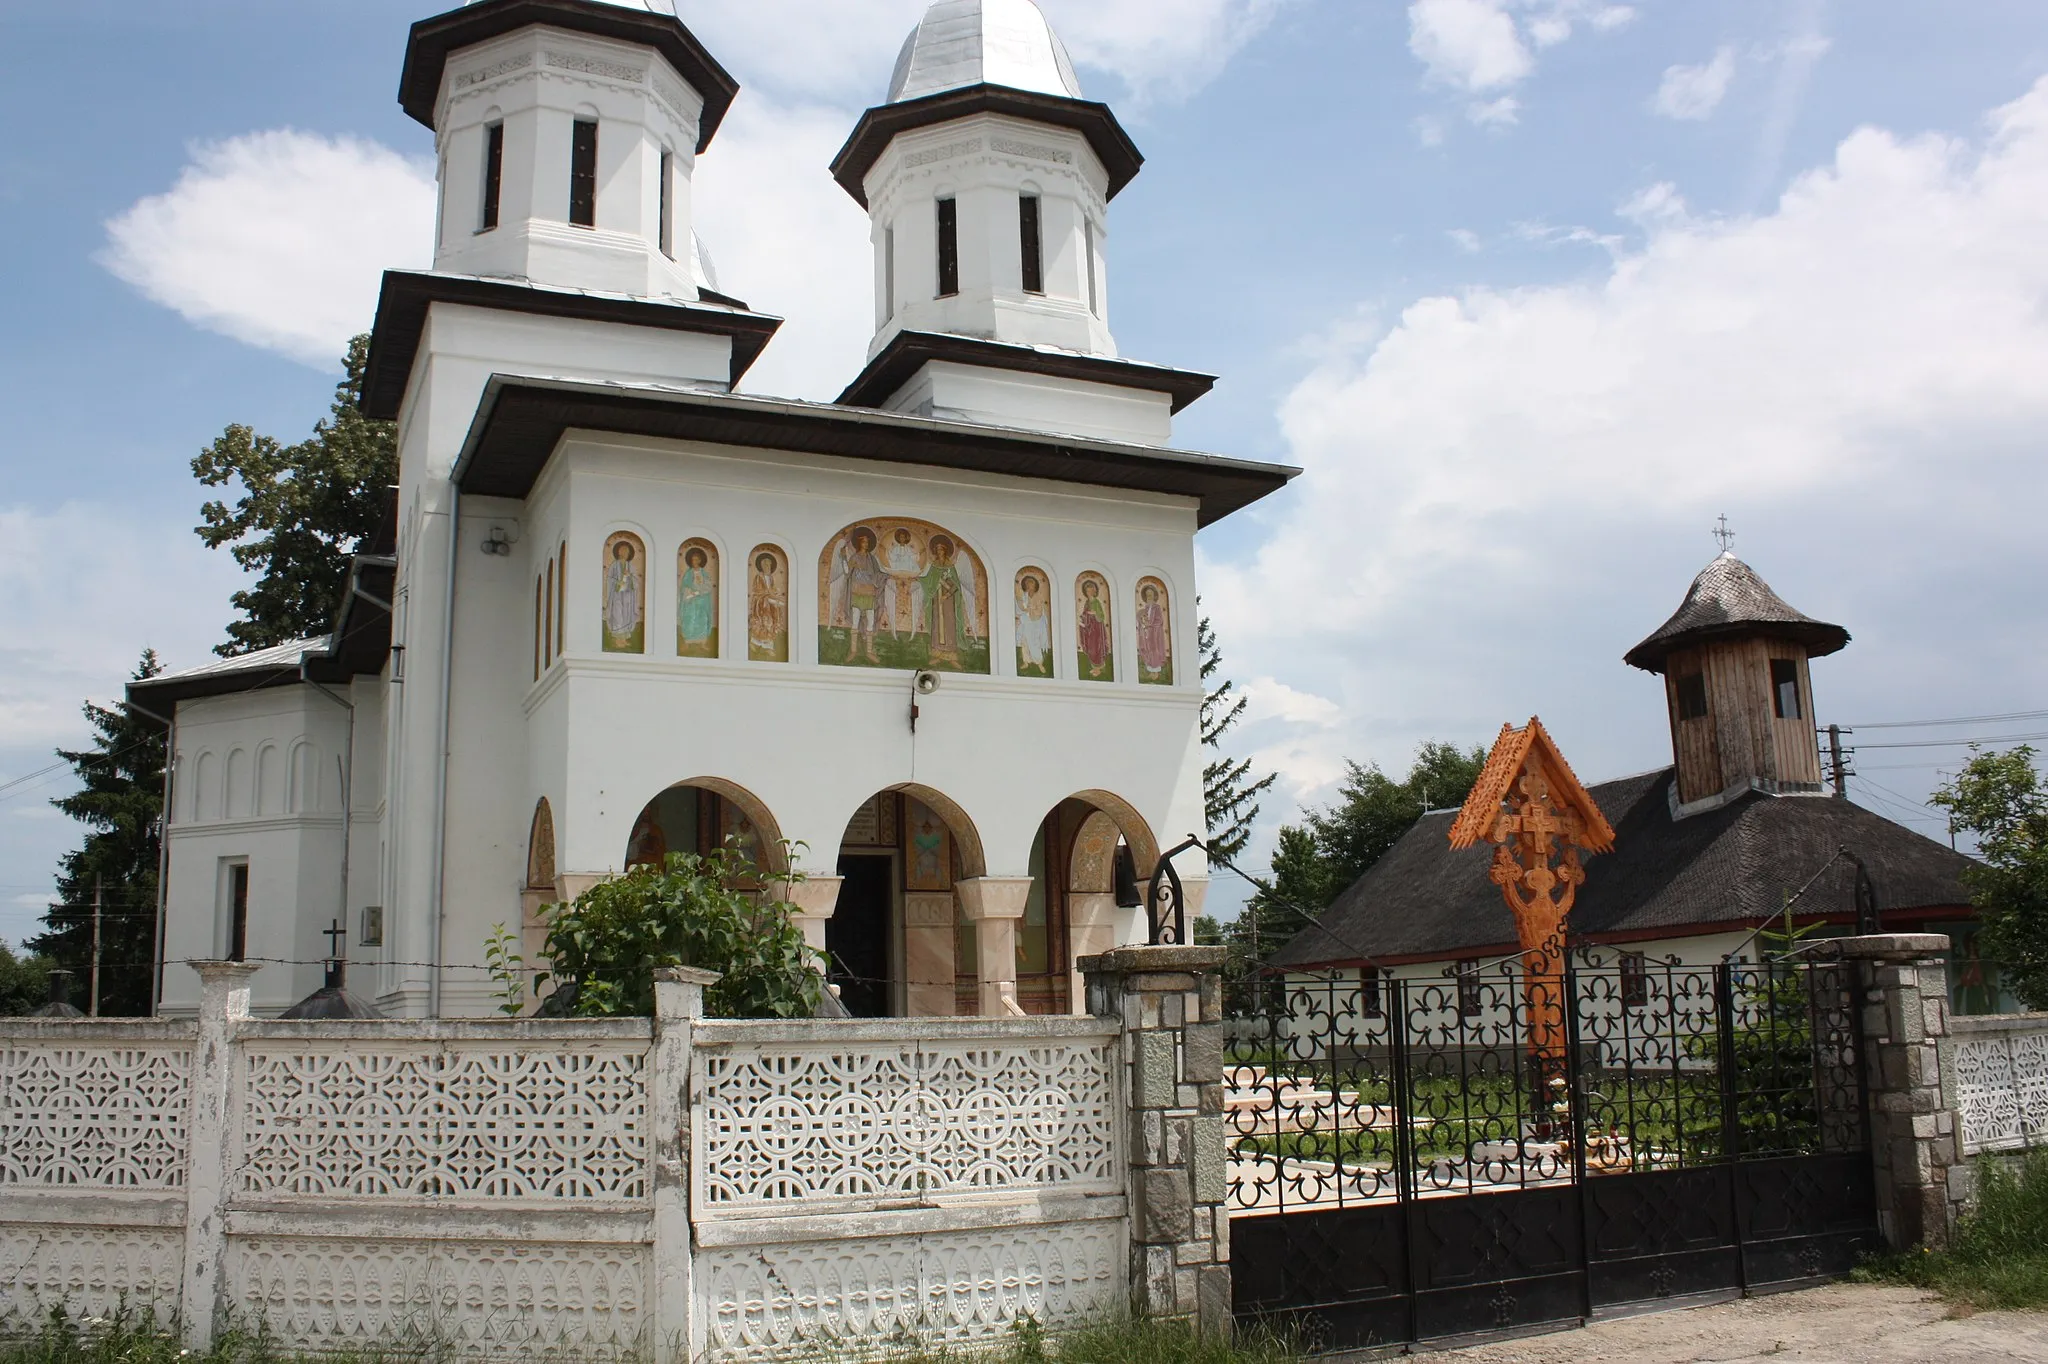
[{"x": 895, "y": 592}]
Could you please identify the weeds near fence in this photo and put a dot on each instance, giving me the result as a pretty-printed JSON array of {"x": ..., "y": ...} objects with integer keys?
[
  {"x": 1108, "y": 1342},
  {"x": 1999, "y": 1256},
  {"x": 130, "y": 1336}
]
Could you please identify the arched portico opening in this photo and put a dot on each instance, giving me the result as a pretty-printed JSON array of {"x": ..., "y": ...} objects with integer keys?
[
  {"x": 895, "y": 942},
  {"x": 702, "y": 815},
  {"x": 1072, "y": 910}
]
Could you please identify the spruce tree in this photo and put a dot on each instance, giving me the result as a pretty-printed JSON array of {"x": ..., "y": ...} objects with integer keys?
[
  {"x": 120, "y": 801},
  {"x": 1230, "y": 800},
  {"x": 304, "y": 509}
]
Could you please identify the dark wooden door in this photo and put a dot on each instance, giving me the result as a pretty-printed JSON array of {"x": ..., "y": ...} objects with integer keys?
[{"x": 857, "y": 935}]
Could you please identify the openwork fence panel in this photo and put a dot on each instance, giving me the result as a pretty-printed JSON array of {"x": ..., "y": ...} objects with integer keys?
[
  {"x": 802, "y": 1116},
  {"x": 2000, "y": 1070},
  {"x": 469, "y": 1118}
]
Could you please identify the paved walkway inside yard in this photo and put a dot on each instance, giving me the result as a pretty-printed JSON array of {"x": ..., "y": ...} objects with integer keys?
[{"x": 1839, "y": 1324}]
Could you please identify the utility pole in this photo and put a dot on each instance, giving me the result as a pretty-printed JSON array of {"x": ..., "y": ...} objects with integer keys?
[
  {"x": 94, "y": 1010},
  {"x": 1840, "y": 773}
]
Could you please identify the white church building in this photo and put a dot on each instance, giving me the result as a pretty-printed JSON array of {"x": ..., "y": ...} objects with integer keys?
[{"x": 938, "y": 635}]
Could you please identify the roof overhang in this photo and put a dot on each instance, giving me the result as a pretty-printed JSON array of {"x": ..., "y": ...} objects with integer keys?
[
  {"x": 432, "y": 40},
  {"x": 522, "y": 420},
  {"x": 880, "y": 126},
  {"x": 407, "y": 296},
  {"x": 1818, "y": 638},
  {"x": 908, "y": 352}
]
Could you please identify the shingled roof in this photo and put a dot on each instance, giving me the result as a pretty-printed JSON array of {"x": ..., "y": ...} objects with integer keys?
[
  {"x": 1726, "y": 599},
  {"x": 1665, "y": 878}
]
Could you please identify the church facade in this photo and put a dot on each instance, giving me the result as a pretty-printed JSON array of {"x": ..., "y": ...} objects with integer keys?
[{"x": 931, "y": 644}]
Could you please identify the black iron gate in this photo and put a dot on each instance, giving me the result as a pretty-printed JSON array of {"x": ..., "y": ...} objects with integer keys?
[{"x": 1477, "y": 1153}]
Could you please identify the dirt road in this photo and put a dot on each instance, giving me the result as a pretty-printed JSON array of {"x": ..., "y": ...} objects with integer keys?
[{"x": 1840, "y": 1324}]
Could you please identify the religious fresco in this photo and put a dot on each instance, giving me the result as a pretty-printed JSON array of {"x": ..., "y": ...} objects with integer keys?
[
  {"x": 1034, "y": 623},
  {"x": 697, "y": 600},
  {"x": 767, "y": 605},
  {"x": 1155, "y": 634},
  {"x": 625, "y": 594},
  {"x": 928, "y": 852},
  {"x": 894, "y": 592},
  {"x": 1094, "y": 631},
  {"x": 874, "y": 825}
]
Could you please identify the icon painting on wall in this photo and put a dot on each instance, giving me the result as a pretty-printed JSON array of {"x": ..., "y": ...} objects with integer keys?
[
  {"x": 1155, "y": 634},
  {"x": 625, "y": 594},
  {"x": 929, "y": 862},
  {"x": 697, "y": 600},
  {"x": 1034, "y": 623},
  {"x": 768, "y": 605},
  {"x": 900, "y": 593},
  {"x": 1095, "y": 651}
]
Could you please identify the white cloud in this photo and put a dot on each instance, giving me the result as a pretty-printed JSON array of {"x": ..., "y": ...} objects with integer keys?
[
  {"x": 1272, "y": 699},
  {"x": 1483, "y": 47},
  {"x": 1465, "y": 239},
  {"x": 1512, "y": 485},
  {"x": 1695, "y": 92},
  {"x": 278, "y": 238}
]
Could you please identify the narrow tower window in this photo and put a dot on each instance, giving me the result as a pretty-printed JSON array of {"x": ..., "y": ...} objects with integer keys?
[
  {"x": 238, "y": 912},
  {"x": 949, "y": 248},
  {"x": 1033, "y": 244},
  {"x": 888, "y": 273},
  {"x": 1094, "y": 307},
  {"x": 668, "y": 204},
  {"x": 1692, "y": 696},
  {"x": 494, "y": 174},
  {"x": 1785, "y": 688},
  {"x": 583, "y": 174}
]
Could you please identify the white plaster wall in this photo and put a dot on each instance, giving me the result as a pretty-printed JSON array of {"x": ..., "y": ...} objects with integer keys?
[
  {"x": 1036, "y": 402},
  {"x": 537, "y": 82}
]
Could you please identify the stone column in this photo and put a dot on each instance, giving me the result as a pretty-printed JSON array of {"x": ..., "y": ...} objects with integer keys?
[
  {"x": 1091, "y": 931},
  {"x": 811, "y": 902},
  {"x": 223, "y": 1008},
  {"x": 678, "y": 1004},
  {"x": 929, "y": 967},
  {"x": 1170, "y": 1003},
  {"x": 1915, "y": 1137},
  {"x": 995, "y": 906}
]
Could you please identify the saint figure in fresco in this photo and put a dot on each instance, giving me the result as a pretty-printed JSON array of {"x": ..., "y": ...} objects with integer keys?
[
  {"x": 1092, "y": 628},
  {"x": 864, "y": 582},
  {"x": 647, "y": 845},
  {"x": 621, "y": 600},
  {"x": 1034, "y": 627},
  {"x": 905, "y": 567},
  {"x": 835, "y": 597},
  {"x": 696, "y": 604},
  {"x": 767, "y": 613},
  {"x": 1155, "y": 646},
  {"x": 927, "y": 847},
  {"x": 944, "y": 609}
]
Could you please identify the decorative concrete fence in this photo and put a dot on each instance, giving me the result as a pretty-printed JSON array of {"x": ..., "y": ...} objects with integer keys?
[
  {"x": 675, "y": 1188},
  {"x": 1997, "y": 1067}
]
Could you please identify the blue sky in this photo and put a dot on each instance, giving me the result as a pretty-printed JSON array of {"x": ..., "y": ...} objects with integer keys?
[{"x": 1534, "y": 289}]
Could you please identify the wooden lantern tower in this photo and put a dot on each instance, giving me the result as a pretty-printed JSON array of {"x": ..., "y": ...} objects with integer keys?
[{"x": 1532, "y": 808}]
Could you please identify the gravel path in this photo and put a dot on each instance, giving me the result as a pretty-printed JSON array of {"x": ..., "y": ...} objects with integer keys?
[{"x": 1839, "y": 1324}]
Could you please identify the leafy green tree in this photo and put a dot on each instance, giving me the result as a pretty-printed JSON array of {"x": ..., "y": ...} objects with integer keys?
[
  {"x": 603, "y": 948},
  {"x": 1230, "y": 799},
  {"x": 24, "y": 982},
  {"x": 304, "y": 509},
  {"x": 120, "y": 800},
  {"x": 1314, "y": 861},
  {"x": 2001, "y": 800}
]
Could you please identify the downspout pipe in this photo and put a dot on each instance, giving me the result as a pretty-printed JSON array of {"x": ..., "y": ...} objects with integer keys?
[{"x": 440, "y": 878}]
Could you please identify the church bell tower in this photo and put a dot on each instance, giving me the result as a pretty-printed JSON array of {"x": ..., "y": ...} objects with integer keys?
[
  {"x": 566, "y": 133},
  {"x": 1734, "y": 658}
]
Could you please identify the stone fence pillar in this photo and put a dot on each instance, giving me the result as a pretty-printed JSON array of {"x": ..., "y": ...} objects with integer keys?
[
  {"x": 1915, "y": 1137},
  {"x": 1170, "y": 1003},
  {"x": 223, "y": 1007},
  {"x": 678, "y": 1004}
]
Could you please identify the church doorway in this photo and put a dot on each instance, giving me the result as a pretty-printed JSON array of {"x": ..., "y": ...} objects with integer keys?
[{"x": 857, "y": 936}]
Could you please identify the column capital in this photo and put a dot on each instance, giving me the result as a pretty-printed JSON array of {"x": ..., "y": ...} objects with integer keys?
[{"x": 993, "y": 897}]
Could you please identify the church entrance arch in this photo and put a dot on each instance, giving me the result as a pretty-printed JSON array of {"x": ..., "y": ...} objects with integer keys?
[
  {"x": 896, "y": 943},
  {"x": 702, "y": 815},
  {"x": 1074, "y": 903}
]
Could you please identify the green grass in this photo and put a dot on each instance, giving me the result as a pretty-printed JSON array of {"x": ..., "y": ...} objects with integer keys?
[
  {"x": 126, "y": 1337},
  {"x": 1115, "y": 1342},
  {"x": 1999, "y": 1255}
]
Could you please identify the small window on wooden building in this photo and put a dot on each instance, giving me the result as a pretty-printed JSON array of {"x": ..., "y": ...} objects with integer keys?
[
  {"x": 1692, "y": 696},
  {"x": 494, "y": 175},
  {"x": 583, "y": 174},
  {"x": 1033, "y": 244},
  {"x": 1635, "y": 981},
  {"x": 1785, "y": 688},
  {"x": 949, "y": 248},
  {"x": 1469, "y": 1005}
]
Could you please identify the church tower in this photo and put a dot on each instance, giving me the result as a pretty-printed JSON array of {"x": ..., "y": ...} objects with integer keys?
[
  {"x": 566, "y": 133},
  {"x": 987, "y": 178},
  {"x": 1734, "y": 660}
]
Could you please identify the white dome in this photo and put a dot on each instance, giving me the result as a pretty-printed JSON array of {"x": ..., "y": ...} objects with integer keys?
[{"x": 968, "y": 42}]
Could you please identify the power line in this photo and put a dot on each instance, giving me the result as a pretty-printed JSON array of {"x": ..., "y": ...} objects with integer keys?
[
  {"x": 2007, "y": 718},
  {"x": 1960, "y": 743}
]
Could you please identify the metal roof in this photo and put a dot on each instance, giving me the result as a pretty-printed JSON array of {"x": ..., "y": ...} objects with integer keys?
[
  {"x": 971, "y": 42},
  {"x": 1729, "y": 599}
]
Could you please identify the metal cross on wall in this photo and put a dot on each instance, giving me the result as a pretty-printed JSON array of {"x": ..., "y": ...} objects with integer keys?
[{"x": 1531, "y": 807}]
